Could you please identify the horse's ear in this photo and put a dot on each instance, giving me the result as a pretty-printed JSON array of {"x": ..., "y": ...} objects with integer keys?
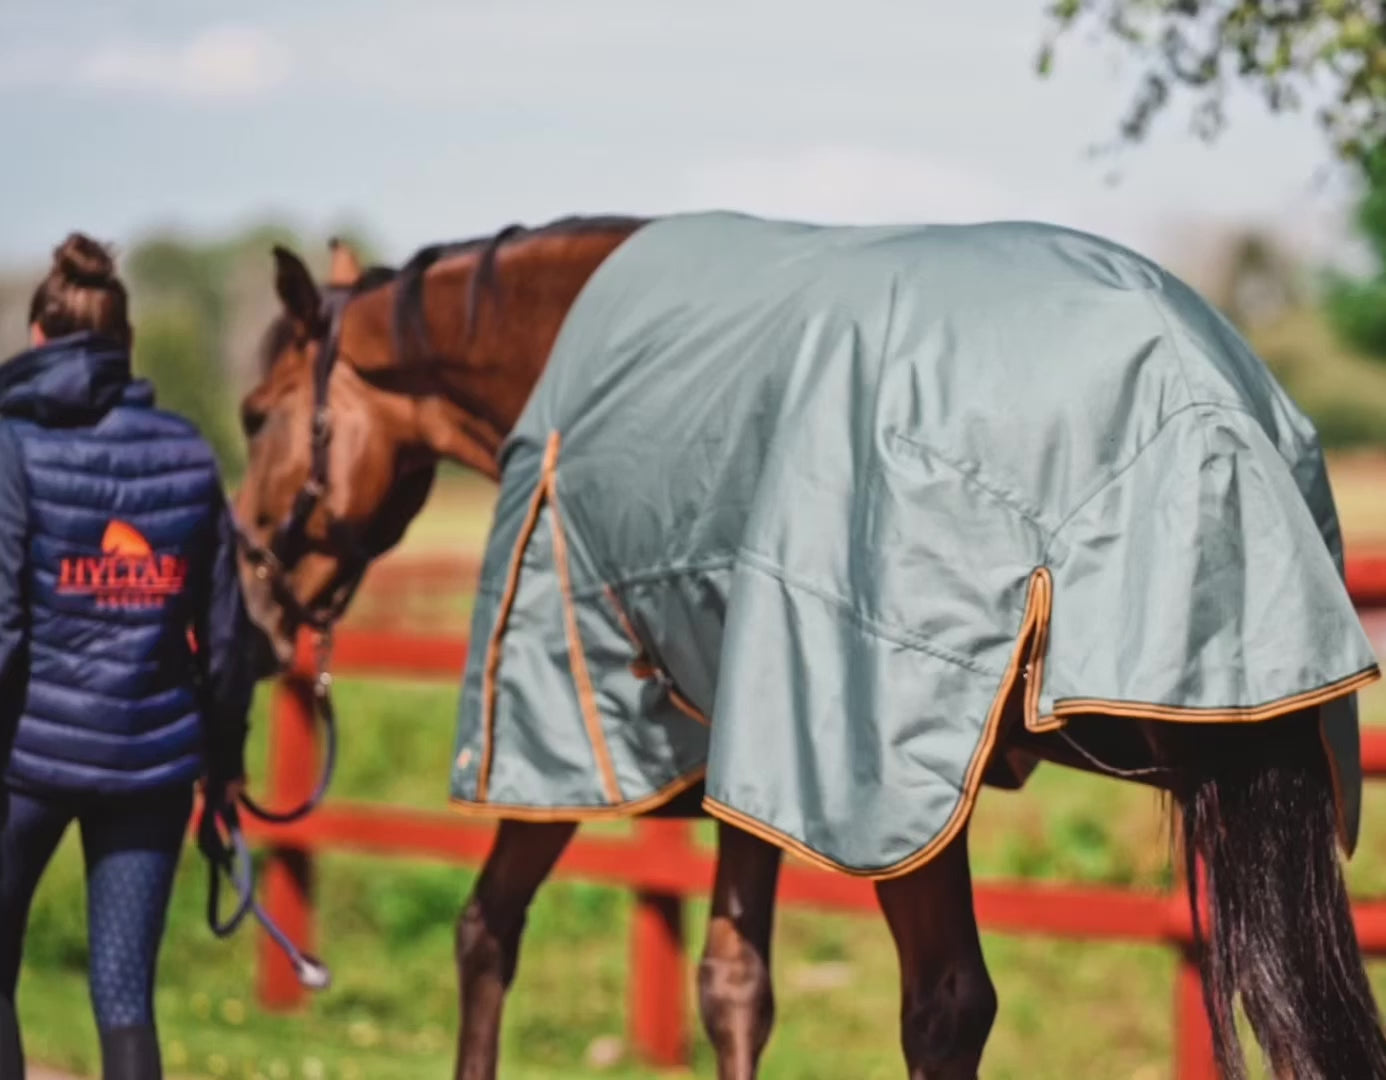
[
  {"x": 300, "y": 297},
  {"x": 346, "y": 265}
]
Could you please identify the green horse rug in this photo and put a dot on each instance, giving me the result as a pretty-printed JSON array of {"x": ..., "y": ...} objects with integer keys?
[{"x": 795, "y": 510}]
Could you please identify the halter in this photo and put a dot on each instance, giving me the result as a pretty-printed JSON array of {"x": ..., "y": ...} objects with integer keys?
[{"x": 272, "y": 563}]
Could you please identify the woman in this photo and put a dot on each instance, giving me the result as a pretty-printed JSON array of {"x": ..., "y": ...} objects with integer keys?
[{"x": 121, "y": 635}]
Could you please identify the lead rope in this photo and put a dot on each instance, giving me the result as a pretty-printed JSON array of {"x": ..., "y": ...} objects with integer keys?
[
  {"x": 231, "y": 857},
  {"x": 1110, "y": 770},
  {"x": 326, "y": 712}
]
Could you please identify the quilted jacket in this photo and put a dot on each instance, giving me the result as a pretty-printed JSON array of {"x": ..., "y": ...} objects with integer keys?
[{"x": 122, "y": 626}]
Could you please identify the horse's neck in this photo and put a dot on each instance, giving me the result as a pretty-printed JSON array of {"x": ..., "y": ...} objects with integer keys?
[{"x": 488, "y": 370}]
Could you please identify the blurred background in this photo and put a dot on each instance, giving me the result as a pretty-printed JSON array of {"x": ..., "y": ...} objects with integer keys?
[{"x": 194, "y": 136}]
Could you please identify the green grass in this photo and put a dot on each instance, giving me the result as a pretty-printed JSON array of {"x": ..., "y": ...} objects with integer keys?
[{"x": 1067, "y": 1009}]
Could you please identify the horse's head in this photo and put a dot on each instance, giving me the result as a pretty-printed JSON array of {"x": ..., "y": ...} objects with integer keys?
[
  {"x": 370, "y": 380},
  {"x": 337, "y": 468}
]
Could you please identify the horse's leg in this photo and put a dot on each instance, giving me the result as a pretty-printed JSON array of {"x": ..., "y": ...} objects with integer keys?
[
  {"x": 734, "y": 992},
  {"x": 947, "y": 1002},
  {"x": 488, "y": 934}
]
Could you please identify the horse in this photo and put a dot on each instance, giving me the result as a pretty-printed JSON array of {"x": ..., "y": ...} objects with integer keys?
[{"x": 372, "y": 379}]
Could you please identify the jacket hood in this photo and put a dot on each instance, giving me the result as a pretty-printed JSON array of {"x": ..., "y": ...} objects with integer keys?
[{"x": 70, "y": 380}]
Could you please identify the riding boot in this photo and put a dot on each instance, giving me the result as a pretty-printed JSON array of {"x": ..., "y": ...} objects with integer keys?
[
  {"x": 11, "y": 1050},
  {"x": 130, "y": 1053}
]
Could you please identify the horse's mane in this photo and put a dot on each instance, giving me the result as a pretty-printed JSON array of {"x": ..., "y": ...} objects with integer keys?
[
  {"x": 410, "y": 324},
  {"x": 411, "y": 328}
]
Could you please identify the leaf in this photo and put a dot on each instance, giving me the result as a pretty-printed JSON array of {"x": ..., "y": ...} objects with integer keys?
[
  {"x": 1065, "y": 11},
  {"x": 1285, "y": 49}
]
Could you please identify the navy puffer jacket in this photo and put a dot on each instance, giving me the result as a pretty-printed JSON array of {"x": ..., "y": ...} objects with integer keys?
[{"x": 122, "y": 626}]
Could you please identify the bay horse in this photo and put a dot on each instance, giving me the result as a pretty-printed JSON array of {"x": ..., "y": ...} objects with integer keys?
[{"x": 372, "y": 380}]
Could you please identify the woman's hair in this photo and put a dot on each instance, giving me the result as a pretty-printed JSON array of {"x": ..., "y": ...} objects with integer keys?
[{"x": 81, "y": 292}]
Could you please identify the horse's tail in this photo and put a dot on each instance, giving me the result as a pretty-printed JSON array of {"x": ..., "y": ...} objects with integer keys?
[{"x": 1259, "y": 812}]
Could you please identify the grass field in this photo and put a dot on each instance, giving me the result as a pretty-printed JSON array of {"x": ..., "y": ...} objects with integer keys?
[{"x": 1067, "y": 1010}]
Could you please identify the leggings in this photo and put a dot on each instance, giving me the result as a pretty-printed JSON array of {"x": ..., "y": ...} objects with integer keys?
[{"x": 131, "y": 846}]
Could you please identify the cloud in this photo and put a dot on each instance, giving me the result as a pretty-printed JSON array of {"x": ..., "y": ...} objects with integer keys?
[
  {"x": 219, "y": 62},
  {"x": 716, "y": 57}
]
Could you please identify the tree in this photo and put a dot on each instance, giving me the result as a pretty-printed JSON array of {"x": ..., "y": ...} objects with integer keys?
[
  {"x": 180, "y": 316},
  {"x": 1357, "y": 307},
  {"x": 170, "y": 350},
  {"x": 1290, "y": 50}
]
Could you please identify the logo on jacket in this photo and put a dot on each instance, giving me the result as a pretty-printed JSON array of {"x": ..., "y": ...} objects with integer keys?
[{"x": 128, "y": 574}]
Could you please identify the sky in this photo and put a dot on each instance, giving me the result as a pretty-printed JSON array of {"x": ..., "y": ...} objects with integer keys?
[{"x": 427, "y": 120}]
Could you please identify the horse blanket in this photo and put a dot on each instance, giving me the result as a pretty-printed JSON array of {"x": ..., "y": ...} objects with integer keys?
[{"x": 797, "y": 509}]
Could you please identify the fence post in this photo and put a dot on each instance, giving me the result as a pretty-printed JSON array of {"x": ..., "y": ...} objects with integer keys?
[
  {"x": 288, "y": 872},
  {"x": 658, "y": 991},
  {"x": 1193, "y": 1038}
]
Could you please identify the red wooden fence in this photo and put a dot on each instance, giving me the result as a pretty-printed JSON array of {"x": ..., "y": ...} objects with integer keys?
[{"x": 664, "y": 867}]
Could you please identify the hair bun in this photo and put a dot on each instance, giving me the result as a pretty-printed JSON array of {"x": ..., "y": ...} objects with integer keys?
[{"x": 82, "y": 261}]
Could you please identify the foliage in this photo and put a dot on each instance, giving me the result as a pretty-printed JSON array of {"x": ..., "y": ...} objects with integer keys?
[
  {"x": 1259, "y": 284},
  {"x": 175, "y": 350},
  {"x": 1342, "y": 392},
  {"x": 1331, "y": 51},
  {"x": 1357, "y": 307}
]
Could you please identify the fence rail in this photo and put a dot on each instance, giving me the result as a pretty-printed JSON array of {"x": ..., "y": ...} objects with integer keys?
[{"x": 663, "y": 866}]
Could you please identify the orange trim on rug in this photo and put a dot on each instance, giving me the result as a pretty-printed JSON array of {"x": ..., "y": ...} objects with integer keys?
[
  {"x": 577, "y": 659},
  {"x": 610, "y": 812},
  {"x": 1240, "y": 715},
  {"x": 627, "y": 627},
  {"x": 493, "y": 646},
  {"x": 1036, "y": 610},
  {"x": 642, "y": 667},
  {"x": 686, "y": 707},
  {"x": 1039, "y": 647},
  {"x": 1069, "y": 707}
]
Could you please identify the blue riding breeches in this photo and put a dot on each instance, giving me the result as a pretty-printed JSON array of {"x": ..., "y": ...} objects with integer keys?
[{"x": 131, "y": 845}]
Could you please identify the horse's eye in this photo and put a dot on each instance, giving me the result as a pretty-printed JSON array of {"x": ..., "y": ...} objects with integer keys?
[{"x": 252, "y": 420}]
